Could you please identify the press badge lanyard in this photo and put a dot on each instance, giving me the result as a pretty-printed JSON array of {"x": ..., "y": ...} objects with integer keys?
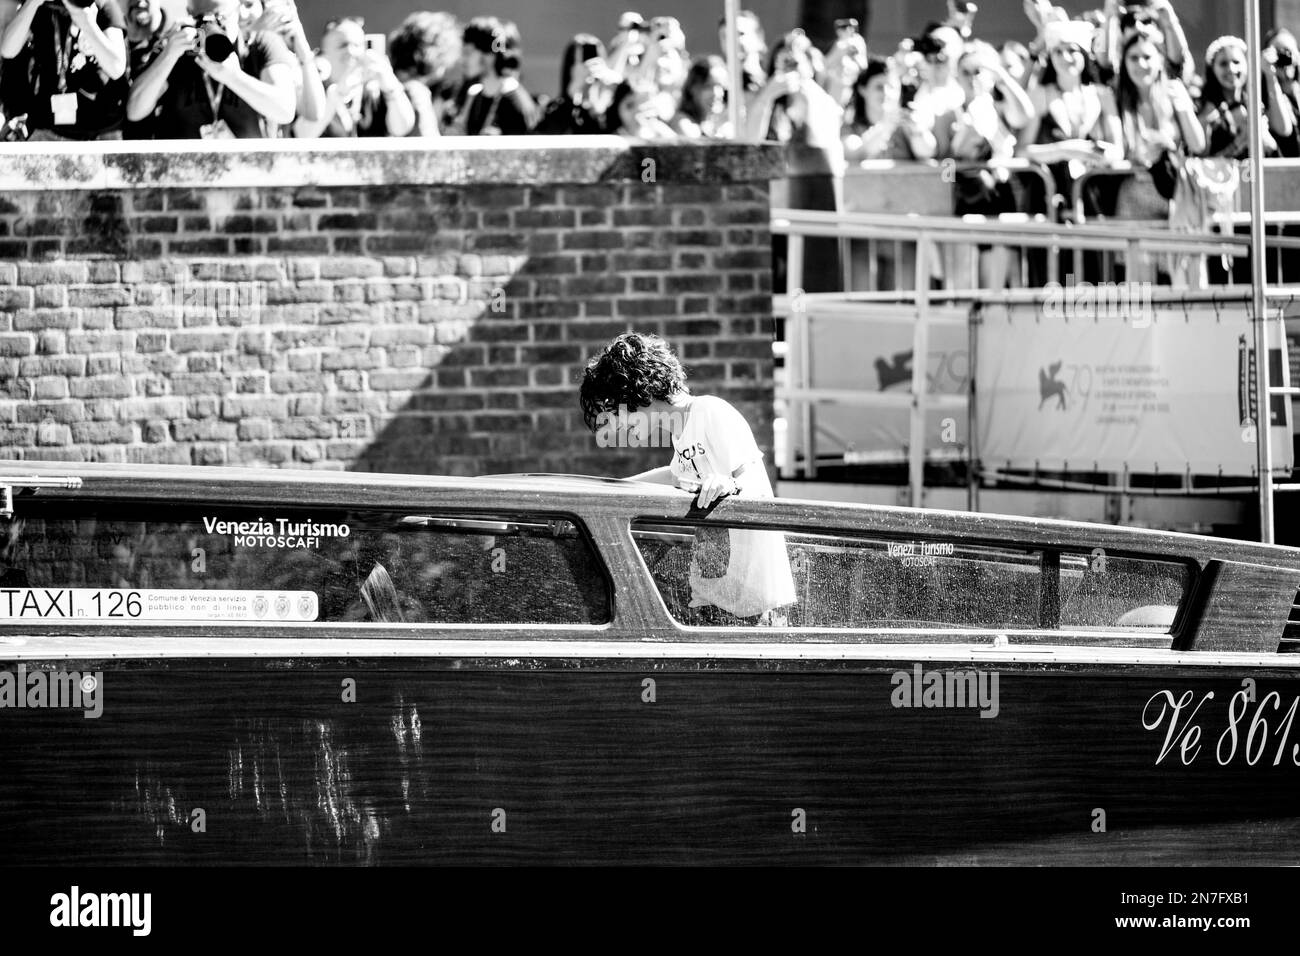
[
  {"x": 63, "y": 105},
  {"x": 62, "y": 54},
  {"x": 214, "y": 97}
]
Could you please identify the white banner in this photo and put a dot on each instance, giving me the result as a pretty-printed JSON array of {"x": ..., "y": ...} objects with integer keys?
[
  {"x": 1165, "y": 388},
  {"x": 871, "y": 351}
]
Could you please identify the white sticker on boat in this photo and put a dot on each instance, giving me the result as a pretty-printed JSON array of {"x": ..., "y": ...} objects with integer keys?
[{"x": 123, "y": 604}]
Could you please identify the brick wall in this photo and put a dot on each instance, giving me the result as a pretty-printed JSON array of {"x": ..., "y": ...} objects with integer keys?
[{"x": 433, "y": 325}]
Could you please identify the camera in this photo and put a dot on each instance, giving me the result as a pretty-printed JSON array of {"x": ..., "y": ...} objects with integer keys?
[
  {"x": 1284, "y": 57},
  {"x": 210, "y": 37}
]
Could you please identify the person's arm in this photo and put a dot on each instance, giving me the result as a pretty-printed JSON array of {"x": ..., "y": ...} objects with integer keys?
[
  {"x": 18, "y": 28},
  {"x": 1107, "y": 44},
  {"x": 271, "y": 94},
  {"x": 426, "y": 117},
  {"x": 107, "y": 47},
  {"x": 149, "y": 86},
  {"x": 307, "y": 127},
  {"x": 1110, "y": 127},
  {"x": 1018, "y": 109},
  {"x": 399, "y": 114},
  {"x": 1177, "y": 49},
  {"x": 311, "y": 101},
  {"x": 825, "y": 117},
  {"x": 1029, "y": 134},
  {"x": 1281, "y": 122},
  {"x": 759, "y": 115},
  {"x": 1185, "y": 112}
]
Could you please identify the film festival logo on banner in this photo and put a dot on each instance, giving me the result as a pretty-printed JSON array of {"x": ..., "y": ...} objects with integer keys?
[{"x": 1129, "y": 302}]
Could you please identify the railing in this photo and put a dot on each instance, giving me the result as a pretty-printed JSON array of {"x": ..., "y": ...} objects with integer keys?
[
  {"x": 799, "y": 395},
  {"x": 899, "y": 189}
]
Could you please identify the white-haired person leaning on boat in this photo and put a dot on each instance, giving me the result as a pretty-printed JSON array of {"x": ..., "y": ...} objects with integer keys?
[{"x": 635, "y": 392}]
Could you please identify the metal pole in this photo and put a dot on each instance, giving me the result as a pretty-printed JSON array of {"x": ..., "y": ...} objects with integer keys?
[
  {"x": 1258, "y": 271},
  {"x": 736, "y": 93}
]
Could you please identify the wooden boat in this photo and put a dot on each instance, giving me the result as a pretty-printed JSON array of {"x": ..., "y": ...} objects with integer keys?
[{"x": 289, "y": 667}]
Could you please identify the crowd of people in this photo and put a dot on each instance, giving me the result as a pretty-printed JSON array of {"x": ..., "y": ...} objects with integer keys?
[{"x": 1118, "y": 83}]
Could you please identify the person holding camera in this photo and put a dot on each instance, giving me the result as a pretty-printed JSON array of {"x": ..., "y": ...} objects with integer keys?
[
  {"x": 65, "y": 67},
  {"x": 1282, "y": 56},
  {"x": 363, "y": 96},
  {"x": 210, "y": 82}
]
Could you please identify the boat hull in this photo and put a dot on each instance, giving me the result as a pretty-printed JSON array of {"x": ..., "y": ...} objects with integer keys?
[{"x": 495, "y": 760}]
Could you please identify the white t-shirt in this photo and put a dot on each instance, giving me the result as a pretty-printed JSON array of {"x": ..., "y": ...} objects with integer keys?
[{"x": 750, "y": 573}]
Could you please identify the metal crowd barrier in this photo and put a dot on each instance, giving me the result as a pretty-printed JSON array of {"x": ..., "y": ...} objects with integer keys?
[{"x": 795, "y": 390}]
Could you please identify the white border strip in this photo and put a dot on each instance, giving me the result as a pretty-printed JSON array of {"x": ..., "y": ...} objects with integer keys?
[{"x": 146, "y": 649}]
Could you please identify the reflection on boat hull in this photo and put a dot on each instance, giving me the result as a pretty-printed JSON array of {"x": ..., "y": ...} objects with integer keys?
[{"x": 654, "y": 761}]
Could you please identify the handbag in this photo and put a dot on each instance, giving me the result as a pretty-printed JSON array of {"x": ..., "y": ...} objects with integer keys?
[{"x": 1164, "y": 173}]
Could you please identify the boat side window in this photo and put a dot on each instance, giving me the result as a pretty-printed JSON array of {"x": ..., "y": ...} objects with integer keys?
[
  {"x": 855, "y": 581},
  {"x": 121, "y": 561}
]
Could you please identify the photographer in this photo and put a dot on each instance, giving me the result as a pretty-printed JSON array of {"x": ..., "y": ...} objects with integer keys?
[
  {"x": 363, "y": 96},
  {"x": 66, "y": 65},
  {"x": 209, "y": 82},
  {"x": 1283, "y": 60}
]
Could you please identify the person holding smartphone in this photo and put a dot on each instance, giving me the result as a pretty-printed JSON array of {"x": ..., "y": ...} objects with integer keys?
[
  {"x": 65, "y": 64},
  {"x": 737, "y": 577},
  {"x": 586, "y": 89},
  {"x": 363, "y": 96},
  {"x": 845, "y": 61}
]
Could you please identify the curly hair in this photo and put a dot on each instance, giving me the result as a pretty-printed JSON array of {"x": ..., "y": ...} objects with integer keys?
[
  {"x": 425, "y": 45},
  {"x": 631, "y": 372},
  {"x": 496, "y": 37}
]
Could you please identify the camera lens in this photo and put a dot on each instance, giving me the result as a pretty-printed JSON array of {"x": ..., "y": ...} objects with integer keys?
[{"x": 218, "y": 47}]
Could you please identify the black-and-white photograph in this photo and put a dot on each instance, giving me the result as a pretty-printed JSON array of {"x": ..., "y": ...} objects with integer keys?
[{"x": 537, "y": 433}]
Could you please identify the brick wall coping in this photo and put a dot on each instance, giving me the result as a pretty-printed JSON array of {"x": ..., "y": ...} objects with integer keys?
[{"x": 455, "y": 161}]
